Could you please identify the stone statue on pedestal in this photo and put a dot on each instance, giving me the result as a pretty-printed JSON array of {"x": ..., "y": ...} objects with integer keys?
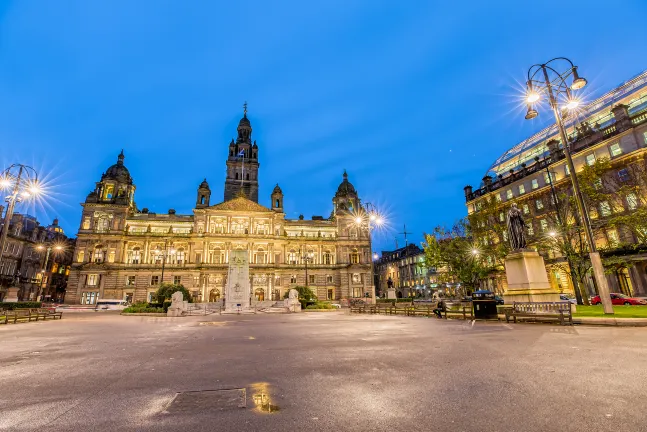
[{"x": 516, "y": 228}]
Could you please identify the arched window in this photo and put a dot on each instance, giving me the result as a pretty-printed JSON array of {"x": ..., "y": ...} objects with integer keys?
[
  {"x": 354, "y": 257},
  {"x": 103, "y": 224},
  {"x": 216, "y": 256},
  {"x": 99, "y": 254},
  {"x": 202, "y": 199},
  {"x": 180, "y": 256},
  {"x": 134, "y": 256},
  {"x": 260, "y": 257},
  {"x": 292, "y": 257},
  {"x": 277, "y": 204}
]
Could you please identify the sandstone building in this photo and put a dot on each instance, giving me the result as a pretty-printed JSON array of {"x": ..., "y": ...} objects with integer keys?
[{"x": 125, "y": 252}]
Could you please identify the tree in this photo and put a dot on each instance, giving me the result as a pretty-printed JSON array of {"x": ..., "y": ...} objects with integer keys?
[
  {"x": 166, "y": 290},
  {"x": 454, "y": 250}
]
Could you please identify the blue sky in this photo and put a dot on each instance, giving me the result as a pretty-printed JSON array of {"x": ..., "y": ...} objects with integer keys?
[{"x": 415, "y": 99}]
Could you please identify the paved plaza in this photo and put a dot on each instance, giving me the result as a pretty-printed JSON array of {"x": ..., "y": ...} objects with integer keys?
[{"x": 318, "y": 372}]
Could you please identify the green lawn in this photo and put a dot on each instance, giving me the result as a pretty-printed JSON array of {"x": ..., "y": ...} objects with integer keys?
[{"x": 620, "y": 312}]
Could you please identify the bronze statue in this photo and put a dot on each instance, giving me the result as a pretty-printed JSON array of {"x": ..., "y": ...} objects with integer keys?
[{"x": 516, "y": 228}]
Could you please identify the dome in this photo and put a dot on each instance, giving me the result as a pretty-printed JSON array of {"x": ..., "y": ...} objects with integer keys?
[
  {"x": 118, "y": 172},
  {"x": 277, "y": 190},
  {"x": 244, "y": 121},
  {"x": 204, "y": 184},
  {"x": 346, "y": 188}
]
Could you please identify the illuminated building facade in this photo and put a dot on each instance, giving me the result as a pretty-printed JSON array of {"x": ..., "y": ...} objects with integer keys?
[
  {"x": 608, "y": 141},
  {"x": 124, "y": 252}
]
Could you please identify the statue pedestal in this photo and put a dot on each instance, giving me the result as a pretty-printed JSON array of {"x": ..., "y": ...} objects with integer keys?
[
  {"x": 238, "y": 289},
  {"x": 390, "y": 294},
  {"x": 12, "y": 295},
  {"x": 527, "y": 278}
]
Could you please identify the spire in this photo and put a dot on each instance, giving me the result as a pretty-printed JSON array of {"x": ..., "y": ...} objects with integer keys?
[
  {"x": 345, "y": 174},
  {"x": 245, "y": 109},
  {"x": 120, "y": 158}
]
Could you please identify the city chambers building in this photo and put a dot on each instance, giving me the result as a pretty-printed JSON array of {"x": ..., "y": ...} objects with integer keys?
[
  {"x": 608, "y": 143},
  {"x": 124, "y": 252}
]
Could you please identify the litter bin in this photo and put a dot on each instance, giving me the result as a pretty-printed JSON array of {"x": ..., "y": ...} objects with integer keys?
[{"x": 484, "y": 304}]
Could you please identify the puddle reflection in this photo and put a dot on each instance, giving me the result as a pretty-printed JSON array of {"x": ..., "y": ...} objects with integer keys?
[{"x": 261, "y": 398}]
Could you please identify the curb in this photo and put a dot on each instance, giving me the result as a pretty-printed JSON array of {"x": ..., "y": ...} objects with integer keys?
[
  {"x": 144, "y": 314},
  {"x": 611, "y": 322}
]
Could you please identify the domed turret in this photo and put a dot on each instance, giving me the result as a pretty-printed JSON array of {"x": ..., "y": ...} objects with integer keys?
[
  {"x": 346, "y": 197},
  {"x": 118, "y": 172},
  {"x": 204, "y": 195},
  {"x": 115, "y": 187},
  {"x": 277, "y": 199}
]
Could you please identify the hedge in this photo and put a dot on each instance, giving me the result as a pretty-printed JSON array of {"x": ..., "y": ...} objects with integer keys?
[{"x": 20, "y": 305}]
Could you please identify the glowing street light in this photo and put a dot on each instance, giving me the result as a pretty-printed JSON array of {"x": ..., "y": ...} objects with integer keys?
[
  {"x": 545, "y": 78},
  {"x": 22, "y": 183}
]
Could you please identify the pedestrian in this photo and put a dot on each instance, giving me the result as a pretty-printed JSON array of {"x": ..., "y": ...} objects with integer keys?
[{"x": 440, "y": 308}]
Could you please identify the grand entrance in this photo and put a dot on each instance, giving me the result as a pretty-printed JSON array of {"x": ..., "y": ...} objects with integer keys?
[
  {"x": 214, "y": 295},
  {"x": 259, "y": 293}
]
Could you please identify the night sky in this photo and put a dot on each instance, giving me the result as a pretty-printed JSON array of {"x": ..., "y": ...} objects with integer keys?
[{"x": 415, "y": 99}]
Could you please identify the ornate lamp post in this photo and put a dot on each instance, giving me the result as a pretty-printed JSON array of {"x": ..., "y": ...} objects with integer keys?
[
  {"x": 545, "y": 79},
  {"x": 49, "y": 247},
  {"x": 164, "y": 253},
  {"x": 370, "y": 219},
  {"x": 22, "y": 183},
  {"x": 307, "y": 257}
]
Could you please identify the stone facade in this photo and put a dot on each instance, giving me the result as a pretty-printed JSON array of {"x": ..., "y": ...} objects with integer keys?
[
  {"x": 405, "y": 271},
  {"x": 24, "y": 257},
  {"x": 125, "y": 253}
]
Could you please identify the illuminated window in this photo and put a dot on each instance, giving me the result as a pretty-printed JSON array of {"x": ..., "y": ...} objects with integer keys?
[
  {"x": 155, "y": 280},
  {"x": 535, "y": 184},
  {"x": 501, "y": 216},
  {"x": 539, "y": 204},
  {"x": 508, "y": 194},
  {"x": 597, "y": 184},
  {"x": 177, "y": 280},
  {"x": 615, "y": 150},
  {"x": 543, "y": 224},
  {"x": 354, "y": 257},
  {"x": 80, "y": 256},
  {"x": 498, "y": 197},
  {"x": 632, "y": 201},
  {"x": 93, "y": 280},
  {"x": 292, "y": 257},
  {"x": 605, "y": 208},
  {"x": 327, "y": 257},
  {"x": 522, "y": 189},
  {"x": 331, "y": 294},
  {"x": 590, "y": 159},
  {"x": 293, "y": 279},
  {"x": 531, "y": 230},
  {"x": 526, "y": 209},
  {"x": 613, "y": 237},
  {"x": 549, "y": 178},
  {"x": 98, "y": 255},
  {"x": 130, "y": 280},
  {"x": 567, "y": 170}
]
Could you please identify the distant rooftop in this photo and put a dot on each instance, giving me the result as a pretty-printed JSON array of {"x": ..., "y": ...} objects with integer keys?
[{"x": 597, "y": 112}]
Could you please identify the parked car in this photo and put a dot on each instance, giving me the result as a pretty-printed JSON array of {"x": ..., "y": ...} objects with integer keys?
[
  {"x": 620, "y": 299},
  {"x": 568, "y": 298},
  {"x": 499, "y": 300}
]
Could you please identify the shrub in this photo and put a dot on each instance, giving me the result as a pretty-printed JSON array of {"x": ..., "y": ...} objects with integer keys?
[
  {"x": 166, "y": 290},
  {"x": 306, "y": 296},
  {"x": 383, "y": 300},
  {"x": 166, "y": 305},
  {"x": 143, "y": 308},
  {"x": 320, "y": 305},
  {"x": 20, "y": 305}
]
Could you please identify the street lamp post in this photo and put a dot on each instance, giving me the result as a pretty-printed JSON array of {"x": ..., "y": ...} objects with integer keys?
[
  {"x": 164, "y": 253},
  {"x": 22, "y": 182},
  {"x": 49, "y": 248},
  {"x": 554, "y": 88},
  {"x": 307, "y": 257},
  {"x": 370, "y": 219}
]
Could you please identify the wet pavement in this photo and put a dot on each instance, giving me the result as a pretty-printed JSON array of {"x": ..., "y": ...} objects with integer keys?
[{"x": 318, "y": 372}]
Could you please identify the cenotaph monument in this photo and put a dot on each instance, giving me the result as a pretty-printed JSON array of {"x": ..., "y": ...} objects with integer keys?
[
  {"x": 238, "y": 290},
  {"x": 525, "y": 268}
]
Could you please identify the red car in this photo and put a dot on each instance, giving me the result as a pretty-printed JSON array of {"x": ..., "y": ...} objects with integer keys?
[{"x": 620, "y": 299}]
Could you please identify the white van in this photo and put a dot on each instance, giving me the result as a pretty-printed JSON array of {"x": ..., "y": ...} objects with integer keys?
[{"x": 110, "y": 304}]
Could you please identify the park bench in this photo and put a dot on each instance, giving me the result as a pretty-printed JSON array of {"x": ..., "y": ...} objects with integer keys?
[
  {"x": 544, "y": 311},
  {"x": 459, "y": 310},
  {"x": 386, "y": 308},
  {"x": 360, "y": 308},
  {"x": 20, "y": 315},
  {"x": 51, "y": 313},
  {"x": 422, "y": 310}
]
